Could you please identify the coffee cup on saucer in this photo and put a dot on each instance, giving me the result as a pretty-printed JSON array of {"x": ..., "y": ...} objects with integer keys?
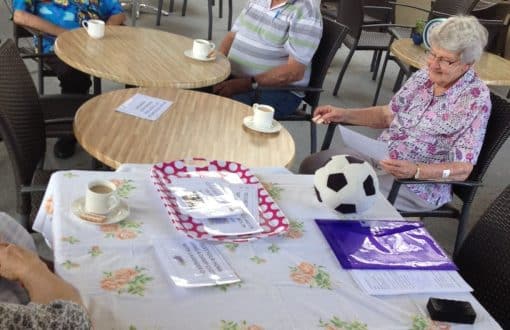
[
  {"x": 262, "y": 116},
  {"x": 95, "y": 28},
  {"x": 101, "y": 197},
  {"x": 202, "y": 48}
]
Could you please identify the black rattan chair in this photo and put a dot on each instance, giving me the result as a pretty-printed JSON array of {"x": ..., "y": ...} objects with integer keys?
[
  {"x": 361, "y": 36},
  {"x": 333, "y": 34},
  {"x": 498, "y": 130},
  {"x": 26, "y": 119},
  {"x": 484, "y": 261}
]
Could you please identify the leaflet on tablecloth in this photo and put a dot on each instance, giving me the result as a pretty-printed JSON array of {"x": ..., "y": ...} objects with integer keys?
[
  {"x": 190, "y": 263},
  {"x": 384, "y": 245},
  {"x": 394, "y": 282},
  {"x": 145, "y": 107}
]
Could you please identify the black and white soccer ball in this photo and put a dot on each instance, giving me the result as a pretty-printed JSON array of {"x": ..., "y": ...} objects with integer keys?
[{"x": 346, "y": 184}]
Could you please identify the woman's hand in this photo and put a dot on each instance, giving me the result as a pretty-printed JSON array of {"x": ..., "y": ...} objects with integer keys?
[
  {"x": 401, "y": 169},
  {"x": 16, "y": 262},
  {"x": 328, "y": 114}
]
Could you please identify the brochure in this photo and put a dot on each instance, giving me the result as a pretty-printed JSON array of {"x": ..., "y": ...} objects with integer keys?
[{"x": 191, "y": 263}]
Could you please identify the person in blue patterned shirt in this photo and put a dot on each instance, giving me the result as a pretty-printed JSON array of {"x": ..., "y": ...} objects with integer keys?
[{"x": 52, "y": 17}]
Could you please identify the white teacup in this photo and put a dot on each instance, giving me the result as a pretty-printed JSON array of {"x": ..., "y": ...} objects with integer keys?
[
  {"x": 202, "y": 48},
  {"x": 94, "y": 27},
  {"x": 262, "y": 116},
  {"x": 101, "y": 197}
]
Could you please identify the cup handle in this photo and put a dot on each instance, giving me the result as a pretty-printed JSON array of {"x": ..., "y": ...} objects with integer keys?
[
  {"x": 85, "y": 24},
  {"x": 114, "y": 202},
  {"x": 212, "y": 45}
]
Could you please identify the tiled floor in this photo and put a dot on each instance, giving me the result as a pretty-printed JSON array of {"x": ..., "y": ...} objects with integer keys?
[{"x": 357, "y": 91}]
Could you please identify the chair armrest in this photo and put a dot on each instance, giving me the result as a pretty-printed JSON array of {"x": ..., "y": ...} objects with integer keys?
[
  {"x": 289, "y": 88},
  {"x": 378, "y": 8},
  {"x": 35, "y": 188},
  {"x": 61, "y": 106},
  {"x": 385, "y": 25},
  {"x": 409, "y": 6},
  {"x": 392, "y": 196}
]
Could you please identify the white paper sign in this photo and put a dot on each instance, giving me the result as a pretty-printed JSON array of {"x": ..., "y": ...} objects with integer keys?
[
  {"x": 145, "y": 107},
  {"x": 374, "y": 149},
  {"x": 394, "y": 282},
  {"x": 191, "y": 263}
]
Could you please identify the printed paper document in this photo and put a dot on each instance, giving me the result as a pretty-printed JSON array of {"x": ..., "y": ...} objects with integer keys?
[
  {"x": 394, "y": 282},
  {"x": 374, "y": 149},
  {"x": 191, "y": 263},
  {"x": 145, "y": 107}
]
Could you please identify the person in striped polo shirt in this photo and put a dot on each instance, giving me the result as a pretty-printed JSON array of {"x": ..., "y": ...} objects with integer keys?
[{"x": 271, "y": 43}]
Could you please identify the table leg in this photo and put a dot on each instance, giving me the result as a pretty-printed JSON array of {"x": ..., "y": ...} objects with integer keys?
[{"x": 97, "y": 85}]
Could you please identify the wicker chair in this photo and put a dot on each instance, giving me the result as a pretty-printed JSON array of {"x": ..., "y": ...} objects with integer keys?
[
  {"x": 210, "y": 4},
  {"x": 26, "y": 119},
  {"x": 498, "y": 130},
  {"x": 333, "y": 33},
  {"x": 484, "y": 261}
]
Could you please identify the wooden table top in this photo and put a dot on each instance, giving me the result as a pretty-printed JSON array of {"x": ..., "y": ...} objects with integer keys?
[
  {"x": 493, "y": 70},
  {"x": 196, "y": 125},
  {"x": 139, "y": 57}
]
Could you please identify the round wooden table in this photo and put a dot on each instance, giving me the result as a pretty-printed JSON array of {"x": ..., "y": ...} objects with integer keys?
[
  {"x": 493, "y": 70},
  {"x": 139, "y": 57},
  {"x": 196, "y": 125}
]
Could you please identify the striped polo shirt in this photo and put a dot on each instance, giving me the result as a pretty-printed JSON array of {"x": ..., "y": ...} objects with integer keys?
[{"x": 265, "y": 37}]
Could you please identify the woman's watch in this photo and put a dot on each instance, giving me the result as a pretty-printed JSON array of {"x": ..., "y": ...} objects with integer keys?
[{"x": 254, "y": 83}]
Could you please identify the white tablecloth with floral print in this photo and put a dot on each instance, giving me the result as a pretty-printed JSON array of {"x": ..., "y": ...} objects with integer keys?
[{"x": 288, "y": 282}]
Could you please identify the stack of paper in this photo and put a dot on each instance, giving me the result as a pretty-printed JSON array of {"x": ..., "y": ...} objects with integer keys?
[
  {"x": 225, "y": 209},
  {"x": 392, "y": 257}
]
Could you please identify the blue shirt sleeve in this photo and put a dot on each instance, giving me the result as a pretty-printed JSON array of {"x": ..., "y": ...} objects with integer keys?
[
  {"x": 24, "y": 5},
  {"x": 110, "y": 8}
]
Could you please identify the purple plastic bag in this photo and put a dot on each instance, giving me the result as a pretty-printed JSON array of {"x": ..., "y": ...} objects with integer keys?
[{"x": 384, "y": 245}]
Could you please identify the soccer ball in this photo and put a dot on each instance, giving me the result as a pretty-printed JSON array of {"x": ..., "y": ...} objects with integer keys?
[{"x": 346, "y": 184}]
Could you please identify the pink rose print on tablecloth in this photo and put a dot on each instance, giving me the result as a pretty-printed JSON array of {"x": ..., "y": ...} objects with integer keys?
[
  {"x": 337, "y": 324},
  {"x": 126, "y": 280},
  {"x": 312, "y": 275},
  {"x": 424, "y": 323},
  {"x": 124, "y": 187},
  {"x": 296, "y": 229},
  {"x": 48, "y": 205},
  {"x": 124, "y": 230},
  {"x": 243, "y": 325}
]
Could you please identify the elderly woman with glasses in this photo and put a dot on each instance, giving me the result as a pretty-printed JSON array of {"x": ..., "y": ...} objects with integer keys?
[{"x": 434, "y": 125}]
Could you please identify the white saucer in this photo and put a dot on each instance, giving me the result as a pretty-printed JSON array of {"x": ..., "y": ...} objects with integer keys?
[
  {"x": 275, "y": 126},
  {"x": 118, "y": 214},
  {"x": 189, "y": 53}
]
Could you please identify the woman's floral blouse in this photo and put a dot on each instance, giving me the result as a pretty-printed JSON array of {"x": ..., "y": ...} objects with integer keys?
[{"x": 438, "y": 129}]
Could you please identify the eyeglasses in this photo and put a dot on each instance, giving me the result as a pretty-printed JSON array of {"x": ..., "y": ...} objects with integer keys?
[{"x": 443, "y": 62}]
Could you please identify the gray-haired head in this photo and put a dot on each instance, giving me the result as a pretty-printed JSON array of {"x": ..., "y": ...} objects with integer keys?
[{"x": 461, "y": 34}]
